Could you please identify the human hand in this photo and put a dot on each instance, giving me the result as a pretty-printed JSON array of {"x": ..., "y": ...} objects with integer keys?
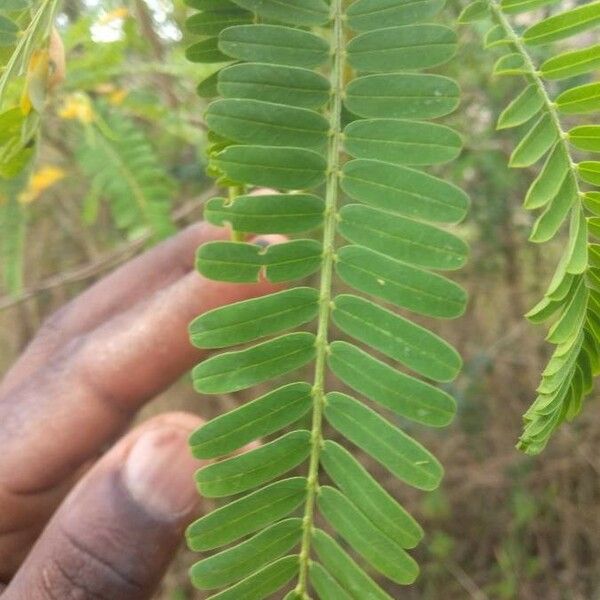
[{"x": 76, "y": 523}]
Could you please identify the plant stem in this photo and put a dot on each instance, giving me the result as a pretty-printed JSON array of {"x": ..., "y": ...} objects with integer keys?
[
  {"x": 331, "y": 197},
  {"x": 533, "y": 74}
]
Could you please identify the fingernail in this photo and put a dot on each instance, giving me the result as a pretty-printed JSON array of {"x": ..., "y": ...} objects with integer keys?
[
  {"x": 159, "y": 473},
  {"x": 262, "y": 242}
]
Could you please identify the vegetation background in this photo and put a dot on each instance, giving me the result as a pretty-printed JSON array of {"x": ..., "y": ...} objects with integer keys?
[{"x": 503, "y": 526}]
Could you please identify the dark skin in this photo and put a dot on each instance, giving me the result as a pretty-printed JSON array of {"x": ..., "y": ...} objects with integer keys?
[{"x": 86, "y": 511}]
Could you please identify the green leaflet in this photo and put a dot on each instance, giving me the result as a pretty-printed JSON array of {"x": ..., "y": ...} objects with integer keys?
[
  {"x": 580, "y": 100},
  {"x": 402, "y": 96},
  {"x": 252, "y": 420},
  {"x": 405, "y": 47},
  {"x": 366, "y": 15},
  {"x": 379, "y": 550},
  {"x": 404, "y": 191},
  {"x": 549, "y": 181},
  {"x": 396, "y": 451},
  {"x": 255, "y": 467},
  {"x": 325, "y": 585},
  {"x": 397, "y": 337},
  {"x": 266, "y": 124},
  {"x": 369, "y": 497},
  {"x": 248, "y": 557},
  {"x": 213, "y": 22},
  {"x": 571, "y": 64},
  {"x": 413, "y": 242},
  {"x": 586, "y": 137},
  {"x": 420, "y": 291},
  {"x": 589, "y": 171},
  {"x": 351, "y": 577},
  {"x": 246, "y": 515},
  {"x": 8, "y": 32},
  {"x": 402, "y": 142},
  {"x": 538, "y": 140},
  {"x": 265, "y": 582},
  {"x": 294, "y": 12},
  {"x": 292, "y": 260},
  {"x": 519, "y": 6},
  {"x": 271, "y": 213},
  {"x": 564, "y": 25},
  {"x": 406, "y": 396},
  {"x": 229, "y": 261},
  {"x": 511, "y": 64},
  {"x": 495, "y": 37},
  {"x": 206, "y": 51},
  {"x": 523, "y": 108},
  {"x": 252, "y": 319},
  {"x": 272, "y": 166},
  {"x": 234, "y": 371},
  {"x": 475, "y": 11},
  {"x": 279, "y": 84},
  {"x": 274, "y": 44}
]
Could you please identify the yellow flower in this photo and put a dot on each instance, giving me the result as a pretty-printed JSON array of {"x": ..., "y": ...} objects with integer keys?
[
  {"x": 39, "y": 182},
  {"x": 117, "y": 97},
  {"x": 77, "y": 107},
  {"x": 114, "y": 15}
]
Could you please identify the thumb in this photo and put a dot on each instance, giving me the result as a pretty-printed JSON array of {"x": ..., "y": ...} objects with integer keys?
[{"x": 117, "y": 532}]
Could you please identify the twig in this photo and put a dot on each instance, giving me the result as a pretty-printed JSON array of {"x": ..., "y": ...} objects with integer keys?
[{"x": 104, "y": 263}]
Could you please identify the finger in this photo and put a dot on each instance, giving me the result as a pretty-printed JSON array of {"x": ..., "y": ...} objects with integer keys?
[
  {"x": 116, "y": 533},
  {"x": 138, "y": 279},
  {"x": 85, "y": 395}
]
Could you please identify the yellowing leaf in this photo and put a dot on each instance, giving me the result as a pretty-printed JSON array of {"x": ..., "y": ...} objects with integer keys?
[
  {"x": 34, "y": 94},
  {"x": 40, "y": 181}
]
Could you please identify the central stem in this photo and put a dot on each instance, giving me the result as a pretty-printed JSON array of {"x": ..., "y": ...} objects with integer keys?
[{"x": 331, "y": 196}]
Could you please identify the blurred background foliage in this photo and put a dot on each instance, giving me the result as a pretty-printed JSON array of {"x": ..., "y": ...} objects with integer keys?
[{"x": 117, "y": 162}]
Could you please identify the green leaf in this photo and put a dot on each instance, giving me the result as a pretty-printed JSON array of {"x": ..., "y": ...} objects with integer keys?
[
  {"x": 324, "y": 584},
  {"x": 292, "y": 260},
  {"x": 551, "y": 219},
  {"x": 538, "y": 140},
  {"x": 255, "y": 467},
  {"x": 519, "y": 6},
  {"x": 207, "y": 88},
  {"x": 476, "y": 11},
  {"x": 388, "y": 445},
  {"x": 577, "y": 249},
  {"x": 239, "y": 370},
  {"x": 247, "y": 515},
  {"x": 275, "y": 167},
  {"x": 267, "y": 124},
  {"x": 563, "y": 25},
  {"x": 213, "y": 22},
  {"x": 406, "y": 396},
  {"x": 396, "y": 337},
  {"x": 523, "y": 108},
  {"x": 351, "y": 577},
  {"x": 252, "y": 319},
  {"x": 401, "y": 142},
  {"x": 580, "y": 100},
  {"x": 271, "y": 213},
  {"x": 402, "y": 96},
  {"x": 8, "y": 32},
  {"x": 253, "y": 420},
  {"x": 274, "y": 44},
  {"x": 206, "y": 51},
  {"x": 589, "y": 171},
  {"x": 294, "y": 12},
  {"x": 263, "y": 583},
  {"x": 572, "y": 319},
  {"x": 248, "y": 557},
  {"x": 510, "y": 64},
  {"x": 496, "y": 36},
  {"x": 571, "y": 64},
  {"x": 586, "y": 137},
  {"x": 369, "y": 497},
  {"x": 404, "y": 191},
  {"x": 230, "y": 261},
  {"x": 405, "y": 47},
  {"x": 549, "y": 181},
  {"x": 274, "y": 83},
  {"x": 367, "y": 15},
  {"x": 410, "y": 241},
  {"x": 419, "y": 291},
  {"x": 379, "y": 550}
]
